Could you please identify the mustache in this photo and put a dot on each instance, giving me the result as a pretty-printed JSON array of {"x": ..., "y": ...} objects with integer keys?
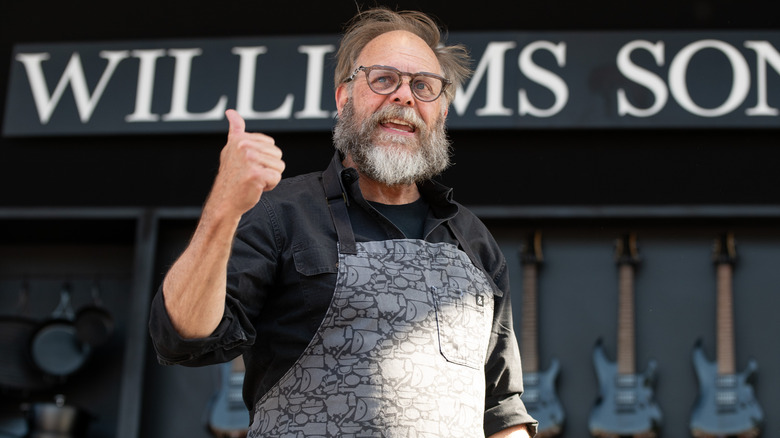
[{"x": 399, "y": 112}]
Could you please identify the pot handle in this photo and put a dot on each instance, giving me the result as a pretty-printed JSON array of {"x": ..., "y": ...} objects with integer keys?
[{"x": 64, "y": 309}]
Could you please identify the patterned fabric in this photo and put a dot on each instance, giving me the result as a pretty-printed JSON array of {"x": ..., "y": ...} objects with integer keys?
[{"x": 400, "y": 352}]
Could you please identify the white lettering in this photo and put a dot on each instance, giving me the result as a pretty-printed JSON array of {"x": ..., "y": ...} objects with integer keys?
[
  {"x": 181, "y": 89},
  {"x": 312, "y": 105},
  {"x": 247, "y": 74},
  {"x": 740, "y": 85},
  {"x": 643, "y": 77},
  {"x": 493, "y": 62},
  {"x": 765, "y": 53},
  {"x": 544, "y": 77},
  {"x": 73, "y": 75},
  {"x": 145, "y": 88}
]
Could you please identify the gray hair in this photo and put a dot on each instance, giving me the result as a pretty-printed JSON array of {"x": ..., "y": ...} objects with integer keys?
[{"x": 365, "y": 26}]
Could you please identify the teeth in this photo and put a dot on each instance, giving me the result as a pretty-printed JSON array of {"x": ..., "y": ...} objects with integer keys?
[{"x": 399, "y": 122}]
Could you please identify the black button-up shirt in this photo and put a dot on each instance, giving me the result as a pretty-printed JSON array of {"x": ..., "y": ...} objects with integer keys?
[{"x": 282, "y": 274}]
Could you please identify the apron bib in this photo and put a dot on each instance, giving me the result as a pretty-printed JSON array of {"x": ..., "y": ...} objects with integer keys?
[{"x": 399, "y": 353}]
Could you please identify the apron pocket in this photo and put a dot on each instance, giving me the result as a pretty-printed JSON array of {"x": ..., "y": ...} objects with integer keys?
[{"x": 462, "y": 322}]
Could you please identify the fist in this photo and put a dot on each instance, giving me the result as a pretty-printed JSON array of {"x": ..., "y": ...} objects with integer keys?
[{"x": 250, "y": 164}]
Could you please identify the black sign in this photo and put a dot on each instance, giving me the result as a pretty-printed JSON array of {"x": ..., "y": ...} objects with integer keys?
[{"x": 521, "y": 80}]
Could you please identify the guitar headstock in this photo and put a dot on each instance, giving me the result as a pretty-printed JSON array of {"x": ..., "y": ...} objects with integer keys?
[
  {"x": 531, "y": 252},
  {"x": 626, "y": 251},
  {"x": 725, "y": 250}
]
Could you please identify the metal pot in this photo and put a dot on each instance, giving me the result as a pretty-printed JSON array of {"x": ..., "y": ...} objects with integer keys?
[
  {"x": 17, "y": 372},
  {"x": 57, "y": 419},
  {"x": 56, "y": 348},
  {"x": 94, "y": 324}
]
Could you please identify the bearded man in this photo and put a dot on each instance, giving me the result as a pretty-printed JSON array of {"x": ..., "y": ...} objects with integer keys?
[{"x": 363, "y": 299}]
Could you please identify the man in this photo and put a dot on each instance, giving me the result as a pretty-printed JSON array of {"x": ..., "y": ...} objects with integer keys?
[{"x": 364, "y": 300}]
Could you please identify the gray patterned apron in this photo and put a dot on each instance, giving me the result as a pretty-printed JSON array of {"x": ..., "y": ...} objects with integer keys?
[{"x": 399, "y": 353}]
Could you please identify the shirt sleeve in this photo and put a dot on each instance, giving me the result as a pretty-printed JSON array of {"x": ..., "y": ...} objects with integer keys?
[
  {"x": 221, "y": 346},
  {"x": 503, "y": 370},
  {"x": 251, "y": 261}
]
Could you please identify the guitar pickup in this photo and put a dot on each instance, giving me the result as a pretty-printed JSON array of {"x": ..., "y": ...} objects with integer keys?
[
  {"x": 530, "y": 396},
  {"x": 726, "y": 400}
]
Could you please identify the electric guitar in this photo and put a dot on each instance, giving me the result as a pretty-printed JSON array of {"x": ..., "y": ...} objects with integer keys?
[
  {"x": 725, "y": 405},
  {"x": 625, "y": 406},
  {"x": 229, "y": 417},
  {"x": 539, "y": 393}
]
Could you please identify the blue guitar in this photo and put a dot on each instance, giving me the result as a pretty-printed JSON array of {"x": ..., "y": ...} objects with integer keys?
[
  {"x": 625, "y": 406},
  {"x": 229, "y": 417},
  {"x": 539, "y": 393},
  {"x": 726, "y": 405}
]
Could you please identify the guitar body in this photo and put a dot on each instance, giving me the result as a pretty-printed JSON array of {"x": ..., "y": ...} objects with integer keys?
[
  {"x": 229, "y": 417},
  {"x": 725, "y": 405},
  {"x": 625, "y": 406},
  {"x": 542, "y": 402}
]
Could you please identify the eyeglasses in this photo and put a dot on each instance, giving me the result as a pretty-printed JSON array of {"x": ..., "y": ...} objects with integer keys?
[{"x": 382, "y": 79}]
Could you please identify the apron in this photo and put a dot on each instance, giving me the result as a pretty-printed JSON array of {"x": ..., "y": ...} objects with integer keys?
[{"x": 400, "y": 351}]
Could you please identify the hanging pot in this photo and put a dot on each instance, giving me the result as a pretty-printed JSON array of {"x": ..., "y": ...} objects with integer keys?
[
  {"x": 94, "y": 324},
  {"x": 16, "y": 332},
  {"x": 56, "y": 348},
  {"x": 57, "y": 419},
  {"x": 16, "y": 370}
]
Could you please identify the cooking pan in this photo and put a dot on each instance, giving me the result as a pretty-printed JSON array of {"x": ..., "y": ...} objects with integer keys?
[
  {"x": 94, "y": 324},
  {"x": 17, "y": 372},
  {"x": 16, "y": 331},
  {"x": 56, "y": 349}
]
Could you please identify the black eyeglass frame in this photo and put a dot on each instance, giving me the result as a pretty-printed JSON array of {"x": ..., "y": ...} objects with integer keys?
[{"x": 444, "y": 81}]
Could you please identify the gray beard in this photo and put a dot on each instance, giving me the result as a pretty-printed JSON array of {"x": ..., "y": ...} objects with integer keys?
[{"x": 394, "y": 163}]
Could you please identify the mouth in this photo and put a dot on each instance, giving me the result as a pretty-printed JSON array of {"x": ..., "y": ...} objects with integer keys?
[{"x": 398, "y": 125}]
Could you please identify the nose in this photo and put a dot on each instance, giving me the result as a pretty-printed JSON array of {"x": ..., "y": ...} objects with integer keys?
[{"x": 403, "y": 95}]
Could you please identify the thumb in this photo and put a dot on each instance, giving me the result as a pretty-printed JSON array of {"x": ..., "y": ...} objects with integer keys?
[{"x": 237, "y": 124}]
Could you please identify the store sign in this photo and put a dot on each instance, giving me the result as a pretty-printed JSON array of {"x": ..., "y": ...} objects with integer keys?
[{"x": 521, "y": 80}]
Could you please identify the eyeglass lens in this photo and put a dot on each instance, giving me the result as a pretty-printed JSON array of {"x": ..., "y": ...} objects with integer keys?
[{"x": 426, "y": 88}]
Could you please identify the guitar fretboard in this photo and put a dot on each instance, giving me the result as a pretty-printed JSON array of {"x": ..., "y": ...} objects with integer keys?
[
  {"x": 725, "y": 318},
  {"x": 529, "y": 348},
  {"x": 626, "y": 359}
]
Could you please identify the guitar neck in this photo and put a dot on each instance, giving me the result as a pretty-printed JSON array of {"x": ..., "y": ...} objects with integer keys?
[
  {"x": 725, "y": 318},
  {"x": 528, "y": 347},
  {"x": 235, "y": 383},
  {"x": 626, "y": 358}
]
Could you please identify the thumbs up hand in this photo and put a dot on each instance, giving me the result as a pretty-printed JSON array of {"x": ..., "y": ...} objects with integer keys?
[{"x": 250, "y": 163}]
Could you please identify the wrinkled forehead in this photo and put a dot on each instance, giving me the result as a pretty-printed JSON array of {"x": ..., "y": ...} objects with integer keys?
[{"x": 402, "y": 50}]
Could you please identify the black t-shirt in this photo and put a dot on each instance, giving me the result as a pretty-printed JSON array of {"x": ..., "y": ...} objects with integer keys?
[{"x": 409, "y": 218}]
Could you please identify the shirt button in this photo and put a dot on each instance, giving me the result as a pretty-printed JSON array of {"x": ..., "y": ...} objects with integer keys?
[{"x": 349, "y": 176}]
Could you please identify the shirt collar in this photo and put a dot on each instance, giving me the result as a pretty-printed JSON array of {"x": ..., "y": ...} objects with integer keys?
[{"x": 437, "y": 194}]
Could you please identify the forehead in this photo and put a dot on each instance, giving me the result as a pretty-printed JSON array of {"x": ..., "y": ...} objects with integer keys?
[{"x": 402, "y": 50}]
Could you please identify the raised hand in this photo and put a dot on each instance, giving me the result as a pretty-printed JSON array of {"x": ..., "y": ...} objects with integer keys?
[{"x": 250, "y": 163}]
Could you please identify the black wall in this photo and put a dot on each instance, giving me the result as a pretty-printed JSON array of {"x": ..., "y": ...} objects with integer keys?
[{"x": 561, "y": 166}]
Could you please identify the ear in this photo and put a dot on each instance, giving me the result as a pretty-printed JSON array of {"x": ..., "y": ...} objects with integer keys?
[{"x": 342, "y": 95}]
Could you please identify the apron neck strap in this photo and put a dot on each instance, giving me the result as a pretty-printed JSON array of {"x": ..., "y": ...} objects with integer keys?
[
  {"x": 337, "y": 205},
  {"x": 473, "y": 257}
]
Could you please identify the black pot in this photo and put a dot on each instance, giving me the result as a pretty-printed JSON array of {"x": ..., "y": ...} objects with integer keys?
[{"x": 94, "y": 324}]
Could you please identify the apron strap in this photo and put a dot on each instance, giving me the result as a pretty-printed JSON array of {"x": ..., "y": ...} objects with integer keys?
[
  {"x": 336, "y": 197},
  {"x": 469, "y": 252}
]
